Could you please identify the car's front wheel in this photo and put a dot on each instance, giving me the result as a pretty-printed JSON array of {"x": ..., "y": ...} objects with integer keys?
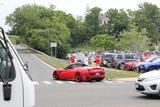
[
  {"x": 121, "y": 67},
  {"x": 55, "y": 76},
  {"x": 78, "y": 77}
]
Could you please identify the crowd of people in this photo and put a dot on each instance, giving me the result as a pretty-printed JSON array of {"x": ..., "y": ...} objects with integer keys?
[{"x": 92, "y": 60}]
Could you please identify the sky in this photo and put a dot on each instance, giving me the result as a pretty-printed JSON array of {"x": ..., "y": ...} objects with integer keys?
[{"x": 75, "y": 7}]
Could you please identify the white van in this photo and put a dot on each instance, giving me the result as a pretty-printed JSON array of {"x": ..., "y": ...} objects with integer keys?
[{"x": 16, "y": 89}]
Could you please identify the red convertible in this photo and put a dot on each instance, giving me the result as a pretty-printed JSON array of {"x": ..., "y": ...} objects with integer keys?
[{"x": 79, "y": 72}]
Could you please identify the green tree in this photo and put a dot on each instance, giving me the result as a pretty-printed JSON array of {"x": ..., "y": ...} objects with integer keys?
[
  {"x": 148, "y": 16},
  {"x": 25, "y": 18},
  {"x": 40, "y": 39},
  {"x": 133, "y": 40},
  {"x": 118, "y": 21},
  {"x": 93, "y": 22},
  {"x": 39, "y": 26},
  {"x": 104, "y": 40},
  {"x": 79, "y": 33}
]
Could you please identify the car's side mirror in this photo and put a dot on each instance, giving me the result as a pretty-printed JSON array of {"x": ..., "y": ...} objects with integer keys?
[
  {"x": 7, "y": 91},
  {"x": 26, "y": 66}
]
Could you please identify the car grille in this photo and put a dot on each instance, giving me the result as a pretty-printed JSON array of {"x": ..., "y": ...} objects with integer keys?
[
  {"x": 140, "y": 88},
  {"x": 92, "y": 74},
  {"x": 153, "y": 87}
]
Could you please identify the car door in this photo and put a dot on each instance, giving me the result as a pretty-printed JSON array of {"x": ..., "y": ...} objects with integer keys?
[
  {"x": 11, "y": 86},
  {"x": 67, "y": 73}
]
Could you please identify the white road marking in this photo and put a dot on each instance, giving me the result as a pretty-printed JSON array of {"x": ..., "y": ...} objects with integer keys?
[
  {"x": 35, "y": 82},
  {"x": 44, "y": 62},
  {"x": 107, "y": 82},
  {"x": 71, "y": 82},
  {"x": 59, "y": 82},
  {"x": 120, "y": 81},
  {"x": 47, "y": 82}
]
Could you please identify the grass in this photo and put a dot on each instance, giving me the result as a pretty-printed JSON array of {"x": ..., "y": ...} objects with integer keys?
[
  {"x": 111, "y": 74},
  {"x": 51, "y": 62},
  {"x": 14, "y": 39}
]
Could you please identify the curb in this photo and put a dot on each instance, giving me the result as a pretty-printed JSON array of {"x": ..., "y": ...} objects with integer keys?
[{"x": 125, "y": 79}]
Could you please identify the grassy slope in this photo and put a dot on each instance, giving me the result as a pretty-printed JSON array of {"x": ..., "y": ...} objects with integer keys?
[
  {"x": 54, "y": 63},
  {"x": 121, "y": 74}
]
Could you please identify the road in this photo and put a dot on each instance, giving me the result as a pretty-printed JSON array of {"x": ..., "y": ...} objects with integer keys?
[{"x": 51, "y": 93}]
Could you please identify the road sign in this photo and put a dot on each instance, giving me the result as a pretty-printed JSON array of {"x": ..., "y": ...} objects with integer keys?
[{"x": 53, "y": 44}]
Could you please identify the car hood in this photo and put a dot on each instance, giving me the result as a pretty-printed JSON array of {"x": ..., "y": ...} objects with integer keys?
[
  {"x": 141, "y": 63},
  {"x": 132, "y": 62},
  {"x": 151, "y": 74}
]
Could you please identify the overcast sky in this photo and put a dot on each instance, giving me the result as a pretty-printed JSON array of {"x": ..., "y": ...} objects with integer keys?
[{"x": 75, "y": 7}]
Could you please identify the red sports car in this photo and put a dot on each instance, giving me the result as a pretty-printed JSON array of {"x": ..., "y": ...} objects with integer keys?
[
  {"x": 130, "y": 65},
  {"x": 79, "y": 72}
]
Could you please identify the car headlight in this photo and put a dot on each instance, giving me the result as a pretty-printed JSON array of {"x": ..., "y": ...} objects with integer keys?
[
  {"x": 150, "y": 79},
  {"x": 146, "y": 79},
  {"x": 141, "y": 79},
  {"x": 141, "y": 67}
]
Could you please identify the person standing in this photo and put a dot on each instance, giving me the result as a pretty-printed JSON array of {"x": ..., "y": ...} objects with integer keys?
[
  {"x": 72, "y": 59},
  {"x": 98, "y": 60}
]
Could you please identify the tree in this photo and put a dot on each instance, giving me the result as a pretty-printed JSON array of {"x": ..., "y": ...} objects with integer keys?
[
  {"x": 133, "y": 40},
  {"x": 118, "y": 21},
  {"x": 40, "y": 39},
  {"x": 25, "y": 18},
  {"x": 93, "y": 22},
  {"x": 148, "y": 16},
  {"x": 104, "y": 40},
  {"x": 39, "y": 26}
]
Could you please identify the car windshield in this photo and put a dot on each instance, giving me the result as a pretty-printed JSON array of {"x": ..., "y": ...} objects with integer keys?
[
  {"x": 7, "y": 71},
  {"x": 75, "y": 66},
  {"x": 130, "y": 56},
  {"x": 119, "y": 57},
  {"x": 151, "y": 59},
  {"x": 156, "y": 60},
  {"x": 107, "y": 56}
]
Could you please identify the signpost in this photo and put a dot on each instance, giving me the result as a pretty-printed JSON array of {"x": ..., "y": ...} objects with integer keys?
[{"x": 54, "y": 45}]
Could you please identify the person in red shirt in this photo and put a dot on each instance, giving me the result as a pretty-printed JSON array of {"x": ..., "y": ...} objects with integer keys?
[
  {"x": 72, "y": 59},
  {"x": 98, "y": 60}
]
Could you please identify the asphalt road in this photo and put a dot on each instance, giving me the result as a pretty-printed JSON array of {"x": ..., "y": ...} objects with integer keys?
[{"x": 51, "y": 93}]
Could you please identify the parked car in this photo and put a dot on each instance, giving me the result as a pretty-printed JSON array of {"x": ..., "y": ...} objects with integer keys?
[
  {"x": 150, "y": 66},
  {"x": 118, "y": 60},
  {"x": 147, "y": 60},
  {"x": 148, "y": 54},
  {"x": 79, "y": 72},
  {"x": 130, "y": 65},
  {"x": 149, "y": 83},
  {"x": 106, "y": 59}
]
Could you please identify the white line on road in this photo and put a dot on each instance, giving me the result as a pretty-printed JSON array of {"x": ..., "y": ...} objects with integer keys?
[
  {"x": 59, "y": 82},
  {"x": 71, "y": 82},
  {"x": 107, "y": 82},
  {"x": 35, "y": 82},
  {"x": 120, "y": 81},
  {"x": 47, "y": 82},
  {"x": 44, "y": 62}
]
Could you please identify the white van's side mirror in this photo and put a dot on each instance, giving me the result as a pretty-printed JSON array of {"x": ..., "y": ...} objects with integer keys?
[
  {"x": 7, "y": 91},
  {"x": 26, "y": 66}
]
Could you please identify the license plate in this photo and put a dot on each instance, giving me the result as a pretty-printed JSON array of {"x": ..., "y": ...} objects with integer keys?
[
  {"x": 97, "y": 73},
  {"x": 136, "y": 85}
]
